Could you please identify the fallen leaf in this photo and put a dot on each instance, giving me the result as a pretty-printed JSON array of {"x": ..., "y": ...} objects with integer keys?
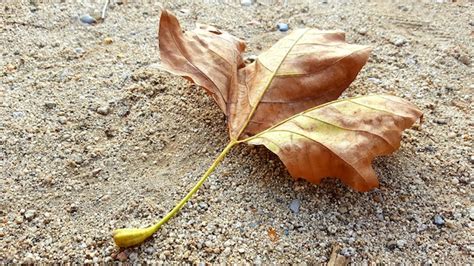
[
  {"x": 272, "y": 234},
  {"x": 287, "y": 101},
  {"x": 299, "y": 76}
]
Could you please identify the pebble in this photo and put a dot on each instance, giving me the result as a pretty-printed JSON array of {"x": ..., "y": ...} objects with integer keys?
[
  {"x": 103, "y": 110},
  {"x": 438, "y": 220},
  {"x": 332, "y": 230},
  {"x": 362, "y": 31},
  {"x": 19, "y": 220},
  {"x": 374, "y": 80},
  {"x": 465, "y": 59},
  {"x": 471, "y": 213},
  {"x": 108, "y": 41},
  {"x": 50, "y": 105},
  {"x": 203, "y": 205},
  {"x": 282, "y": 27},
  {"x": 122, "y": 256},
  {"x": 399, "y": 41},
  {"x": 18, "y": 114},
  {"x": 30, "y": 214},
  {"x": 295, "y": 205},
  {"x": 87, "y": 19},
  {"x": 401, "y": 243},
  {"x": 72, "y": 208},
  {"x": 246, "y": 2},
  {"x": 133, "y": 256},
  {"x": 208, "y": 244},
  {"x": 348, "y": 252},
  {"x": 392, "y": 245},
  {"x": 79, "y": 50},
  {"x": 62, "y": 120}
]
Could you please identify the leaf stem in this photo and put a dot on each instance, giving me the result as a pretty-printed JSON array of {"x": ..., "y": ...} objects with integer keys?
[{"x": 127, "y": 237}]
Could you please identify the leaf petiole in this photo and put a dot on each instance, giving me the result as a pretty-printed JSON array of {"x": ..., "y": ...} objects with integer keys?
[{"x": 127, "y": 237}]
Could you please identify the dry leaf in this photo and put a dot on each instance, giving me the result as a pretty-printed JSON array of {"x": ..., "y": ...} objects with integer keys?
[
  {"x": 304, "y": 70},
  {"x": 272, "y": 234},
  {"x": 286, "y": 100}
]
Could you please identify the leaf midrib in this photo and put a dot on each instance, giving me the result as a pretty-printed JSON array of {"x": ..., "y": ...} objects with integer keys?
[
  {"x": 321, "y": 106},
  {"x": 267, "y": 86}
]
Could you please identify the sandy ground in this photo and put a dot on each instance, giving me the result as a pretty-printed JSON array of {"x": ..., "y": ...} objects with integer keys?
[{"x": 93, "y": 137}]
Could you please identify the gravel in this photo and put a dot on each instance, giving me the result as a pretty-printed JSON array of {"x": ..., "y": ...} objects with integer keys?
[
  {"x": 438, "y": 220},
  {"x": 295, "y": 205},
  {"x": 157, "y": 134}
]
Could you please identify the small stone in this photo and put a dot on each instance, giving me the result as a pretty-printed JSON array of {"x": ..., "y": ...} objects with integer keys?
[
  {"x": 374, "y": 80},
  {"x": 9, "y": 68},
  {"x": 18, "y": 114},
  {"x": 79, "y": 50},
  {"x": 295, "y": 205},
  {"x": 282, "y": 27},
  {"x": 392, "y": 245},
  {"x": 103, "y": 110},
  {"x": 438, "y": 220},
  {"x": 208, "y": 244},
  {"x": 465, "y": 59},
  {"x": 19, "y": 220},
  {"x": 450, "y": 224},
  {"x": 246, "y": 2},
  {"x": 122, "y": 256},
  {"x": 133, "y": 256},
  {"x": 50, "y": 105},
  {"x": 257, "y": 260},
  {"x": 203, "y": 205},
  {"x": 362, "y": 31},
  {"x": 30, "y": 214},
  {"x": 87, "y": 19},
  {"x": 471, "y": 213},
  {"x": 150, "y": 250},
  {"x": 108, "y": 41},
  {"x": 62, "y": 120},
  {"x": 399, "y": 41},
  {"x": 72, "y": 208},
  {"x": 401, "y": 243},
  {"x": 241, "y": 250},
  {"x": 2, "y": 233},
  {"x": 348, "y": 252},
  {"x": 403, "y": 8},
  {"x": 332, "y": 229},
  {"x": 96, "y": 171}
]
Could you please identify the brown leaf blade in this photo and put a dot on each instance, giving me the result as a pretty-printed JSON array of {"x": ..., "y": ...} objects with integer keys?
[
  {"x": 207, "y": 56},
  {"x": 306, "y": 68},
  {"x": 340, "y": 139}
]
